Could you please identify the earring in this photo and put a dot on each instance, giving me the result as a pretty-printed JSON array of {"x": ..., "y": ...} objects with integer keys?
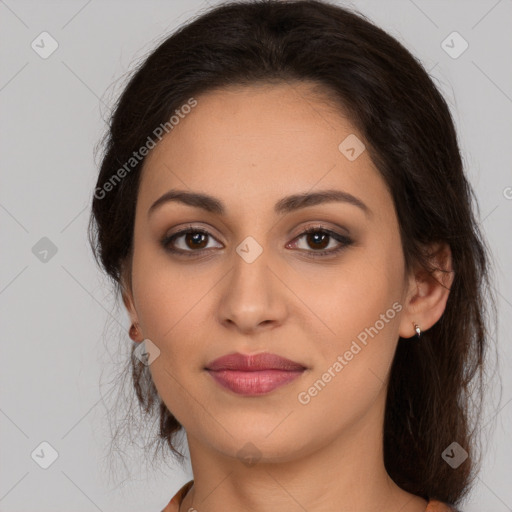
[
  {"x": 417, "y": 329},
  {"x": 134, "y": 331}
]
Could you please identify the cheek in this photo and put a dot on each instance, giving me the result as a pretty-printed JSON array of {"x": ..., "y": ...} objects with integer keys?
[
  {"x": 170, "y": 308},
  {"x": 361, "y": 294},
  {"x": 171, "y": 301},
  {"x": 362, "y": 311},
  {"x": 165, "y": 293},
  {"x": 351, "y": 365}
]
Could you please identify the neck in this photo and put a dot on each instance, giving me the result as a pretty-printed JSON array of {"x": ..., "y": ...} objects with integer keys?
[{"x": 344, "y": 475}]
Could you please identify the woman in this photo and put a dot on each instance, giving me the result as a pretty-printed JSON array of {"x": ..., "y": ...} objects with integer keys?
[{"x": 282, "y": 206}]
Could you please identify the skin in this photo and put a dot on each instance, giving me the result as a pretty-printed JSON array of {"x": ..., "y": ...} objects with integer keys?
[{"x": 249, "y": 147}]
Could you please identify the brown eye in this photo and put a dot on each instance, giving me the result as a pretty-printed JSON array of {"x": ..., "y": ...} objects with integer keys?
[
  {"x": 319, "y": 238},
  {"x": 194, "y": 240}
]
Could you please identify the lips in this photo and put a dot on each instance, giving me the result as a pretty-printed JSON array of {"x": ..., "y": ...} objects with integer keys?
[
  {"x": 253, "y": 375},
  {"x": 258, "y": 362}
]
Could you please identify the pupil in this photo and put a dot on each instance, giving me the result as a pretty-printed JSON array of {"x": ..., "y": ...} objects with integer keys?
[
  {"x": 196, "y": 237},
  {"x": 316, "y": 241}
]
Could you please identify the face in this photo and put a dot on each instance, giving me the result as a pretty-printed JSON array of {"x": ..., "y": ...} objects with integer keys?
[{"x": 249, "y": 280}]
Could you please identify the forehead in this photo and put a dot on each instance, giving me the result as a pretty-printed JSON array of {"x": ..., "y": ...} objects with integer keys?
[{"x": 255, "y": 144}]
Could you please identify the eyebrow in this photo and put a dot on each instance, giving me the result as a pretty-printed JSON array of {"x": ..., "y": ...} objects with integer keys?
[{"x": 285, "y": 205}]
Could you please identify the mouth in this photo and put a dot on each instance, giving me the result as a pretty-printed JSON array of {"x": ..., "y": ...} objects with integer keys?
[
  {"x": 254, "y": 375},
  {"x": 255, "y": 382}
]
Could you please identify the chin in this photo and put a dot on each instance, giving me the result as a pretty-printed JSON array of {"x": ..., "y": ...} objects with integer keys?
[{"x": 255, "y": 445}]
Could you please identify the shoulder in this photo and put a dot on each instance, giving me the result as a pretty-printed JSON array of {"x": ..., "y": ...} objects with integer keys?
[
  {"x": 174, "y": 504},
  {"x": 439, "y": 506}
]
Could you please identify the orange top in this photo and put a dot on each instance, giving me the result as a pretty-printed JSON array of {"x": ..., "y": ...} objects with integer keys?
[{"x": 174, "y": 504}]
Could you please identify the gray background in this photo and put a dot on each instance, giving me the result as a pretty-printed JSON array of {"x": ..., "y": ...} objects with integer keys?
[{"x": 63, "y": 337}]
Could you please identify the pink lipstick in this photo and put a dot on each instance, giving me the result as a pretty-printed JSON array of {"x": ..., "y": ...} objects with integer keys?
[{"x": 253, "y": 375}]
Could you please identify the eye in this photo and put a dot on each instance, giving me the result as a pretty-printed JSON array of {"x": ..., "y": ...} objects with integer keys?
[
  {"x": 193, "y": 241},
  {"x": 320, "y": 238}
]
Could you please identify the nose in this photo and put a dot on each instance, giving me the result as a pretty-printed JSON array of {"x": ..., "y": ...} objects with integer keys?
[{"x": 254, "y": 294}]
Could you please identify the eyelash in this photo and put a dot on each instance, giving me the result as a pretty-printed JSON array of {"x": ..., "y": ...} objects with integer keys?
[{"x": 344, "y": 241}]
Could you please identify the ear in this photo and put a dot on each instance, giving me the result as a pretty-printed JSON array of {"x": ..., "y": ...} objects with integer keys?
[
  {"x": 127, "y": 294},
  {"x": 427, "y": 292}
]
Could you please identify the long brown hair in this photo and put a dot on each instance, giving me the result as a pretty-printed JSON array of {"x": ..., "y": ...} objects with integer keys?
[{"x": 435, "y": 382}]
